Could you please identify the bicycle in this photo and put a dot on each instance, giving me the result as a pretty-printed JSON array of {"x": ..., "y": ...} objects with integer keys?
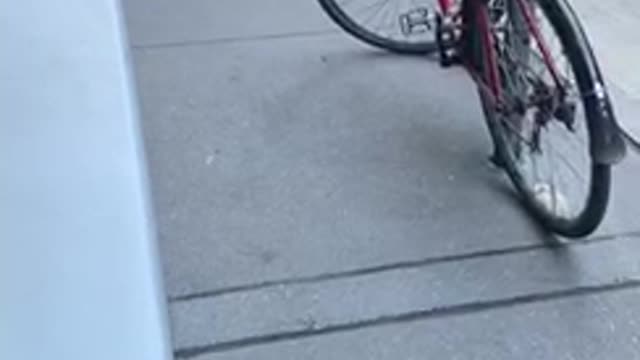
[{"x": 531, "y": 93}]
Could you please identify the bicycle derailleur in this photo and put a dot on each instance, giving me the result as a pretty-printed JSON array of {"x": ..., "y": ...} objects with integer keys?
[{"x": 551, "y": 104}]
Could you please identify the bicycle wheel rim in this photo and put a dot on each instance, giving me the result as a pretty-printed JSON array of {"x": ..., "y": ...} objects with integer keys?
[{"x": 576, "y": 207}]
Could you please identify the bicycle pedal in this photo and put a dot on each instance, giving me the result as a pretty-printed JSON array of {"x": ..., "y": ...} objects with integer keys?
[
  {"x": 449, "y": 60},
  {"x": 418, "y": 20},
  {"x": 446, "y": 42}
]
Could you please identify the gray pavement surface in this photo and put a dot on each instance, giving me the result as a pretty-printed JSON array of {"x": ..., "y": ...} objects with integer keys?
[
  {"x": 592, "y": 327},
  {"x": 319, "y": 199}
]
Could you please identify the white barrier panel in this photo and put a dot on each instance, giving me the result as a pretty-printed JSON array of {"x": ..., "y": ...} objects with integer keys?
[{"x": 79, "y": 277}]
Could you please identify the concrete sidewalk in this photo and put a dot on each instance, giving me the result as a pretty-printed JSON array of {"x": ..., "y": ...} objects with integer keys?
[{"x": 319, "y": 199}]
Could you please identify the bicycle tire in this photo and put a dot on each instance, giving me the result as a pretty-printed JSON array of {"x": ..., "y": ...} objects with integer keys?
[
  {"x": 342, "y": 19},
  {"x": 580, "y": 56}
]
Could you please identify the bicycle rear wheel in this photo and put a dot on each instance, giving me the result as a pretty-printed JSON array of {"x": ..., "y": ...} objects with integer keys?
[
  {"x": 545, "y": 146},
  {"x": 402, "y": 26}
]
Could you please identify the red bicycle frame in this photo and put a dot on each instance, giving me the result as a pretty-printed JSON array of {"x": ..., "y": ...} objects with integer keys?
[
  {"x": 445, "y": 6},
  {"x": 489, "y": 82}
]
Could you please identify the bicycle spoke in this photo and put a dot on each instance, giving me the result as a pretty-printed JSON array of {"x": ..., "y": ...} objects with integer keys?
[
  {"x": 345, "y": 3},
  {"x": 549, "y": 149},
  {"x": 380, "y": 5},
  {"x": 385, "y": 20}
]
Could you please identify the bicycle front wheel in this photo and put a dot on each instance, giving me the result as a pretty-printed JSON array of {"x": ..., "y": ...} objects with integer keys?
[
  {"x": 545, "y": 145},
  {"x": 402, "y": 26}
]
